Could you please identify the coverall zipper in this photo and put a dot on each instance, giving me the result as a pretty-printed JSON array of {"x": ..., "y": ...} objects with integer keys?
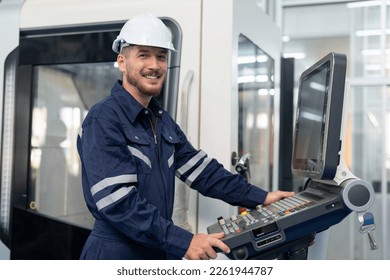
[
  {"x": 154, "y": 126},
  {"x": 154, "y": 129}
]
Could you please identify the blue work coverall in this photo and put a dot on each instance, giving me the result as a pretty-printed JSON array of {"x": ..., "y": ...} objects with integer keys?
[{"x": 130, "y": 156}]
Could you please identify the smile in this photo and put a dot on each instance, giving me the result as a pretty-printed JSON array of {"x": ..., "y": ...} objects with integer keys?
[{"x": 151, "y": 77}]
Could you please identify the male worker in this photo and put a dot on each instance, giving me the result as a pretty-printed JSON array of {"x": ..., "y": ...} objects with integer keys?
[{"x": 131, "y": 150}]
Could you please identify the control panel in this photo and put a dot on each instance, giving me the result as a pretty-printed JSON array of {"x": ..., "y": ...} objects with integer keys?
[{"x": 268, "y": 226}]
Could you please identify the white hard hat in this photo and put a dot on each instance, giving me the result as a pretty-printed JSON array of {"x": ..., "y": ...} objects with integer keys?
[{"x": 144, "y": 30}]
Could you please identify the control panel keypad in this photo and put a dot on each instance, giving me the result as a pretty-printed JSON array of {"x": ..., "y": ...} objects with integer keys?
[
  {"x": 284, "y": 207},
  {"x": 264, "y": 215}
]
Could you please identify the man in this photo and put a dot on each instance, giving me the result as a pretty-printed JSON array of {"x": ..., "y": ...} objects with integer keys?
[{"x": 131, "y": 150}]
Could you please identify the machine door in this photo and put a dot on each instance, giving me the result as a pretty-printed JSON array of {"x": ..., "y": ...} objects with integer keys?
[
  {"x": 62, "y": 69},
  {"x": 240, "y": 86},
  {"x": 56, "y": 87}
]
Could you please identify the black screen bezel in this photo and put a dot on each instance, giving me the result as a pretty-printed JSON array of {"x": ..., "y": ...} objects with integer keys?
[{"x": 326, "y": 166}]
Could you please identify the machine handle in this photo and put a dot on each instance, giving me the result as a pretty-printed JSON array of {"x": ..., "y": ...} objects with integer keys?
[{"x": 185, "y": 92}]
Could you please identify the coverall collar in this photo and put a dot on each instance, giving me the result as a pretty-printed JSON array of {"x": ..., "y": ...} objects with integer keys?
[{"x": 131, "y": 106}]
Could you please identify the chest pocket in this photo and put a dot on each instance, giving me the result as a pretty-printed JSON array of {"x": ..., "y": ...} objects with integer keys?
[
  {"x": 138, "y": 144},
  {"x": 170, "y": 140}
]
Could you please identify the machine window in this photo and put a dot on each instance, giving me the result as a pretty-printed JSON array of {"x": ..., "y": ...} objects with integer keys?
[
  {"x": 63, "y": 94},
  {"x": 256, "y": 88}
]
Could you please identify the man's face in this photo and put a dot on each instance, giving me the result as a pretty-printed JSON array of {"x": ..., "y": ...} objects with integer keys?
[{"x": 144, "y": 69}]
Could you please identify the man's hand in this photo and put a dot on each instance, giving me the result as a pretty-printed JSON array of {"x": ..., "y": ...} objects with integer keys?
[
  {"x": 277, "y": 195},
  {"x": 201, "y": 247}
]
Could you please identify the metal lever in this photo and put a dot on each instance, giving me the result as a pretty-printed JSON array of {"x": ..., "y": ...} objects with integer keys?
[
  {"x": 373, "y": 244},
  {"x": 243, "y": 166}
]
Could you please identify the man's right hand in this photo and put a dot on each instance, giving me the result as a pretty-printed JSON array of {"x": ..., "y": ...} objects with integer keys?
[
  {"x": 276, "y": 195},
  {"x": 201, "y": 247}
]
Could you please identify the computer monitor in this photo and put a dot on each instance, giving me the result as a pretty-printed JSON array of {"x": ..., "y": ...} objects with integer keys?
[{"x": 318, "y": 123}]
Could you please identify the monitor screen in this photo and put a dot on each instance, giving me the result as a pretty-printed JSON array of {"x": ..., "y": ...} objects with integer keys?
[{"x": 317, "y": 133}]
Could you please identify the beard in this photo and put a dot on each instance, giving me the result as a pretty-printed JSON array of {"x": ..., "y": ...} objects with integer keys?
[{"x": 144, "y": 88}]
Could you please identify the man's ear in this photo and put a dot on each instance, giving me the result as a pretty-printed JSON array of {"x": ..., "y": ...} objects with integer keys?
[{"x": 121, "y": 60}]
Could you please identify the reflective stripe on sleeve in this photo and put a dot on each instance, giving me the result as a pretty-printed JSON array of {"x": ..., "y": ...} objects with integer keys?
[
  {"x": 113, "y": 197},
  {"x": 197, "y": 171},
  {"x": 121, "y": 179},
  {"x": 137, "y": 153},
  {"x": 191, "y": 163}
]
